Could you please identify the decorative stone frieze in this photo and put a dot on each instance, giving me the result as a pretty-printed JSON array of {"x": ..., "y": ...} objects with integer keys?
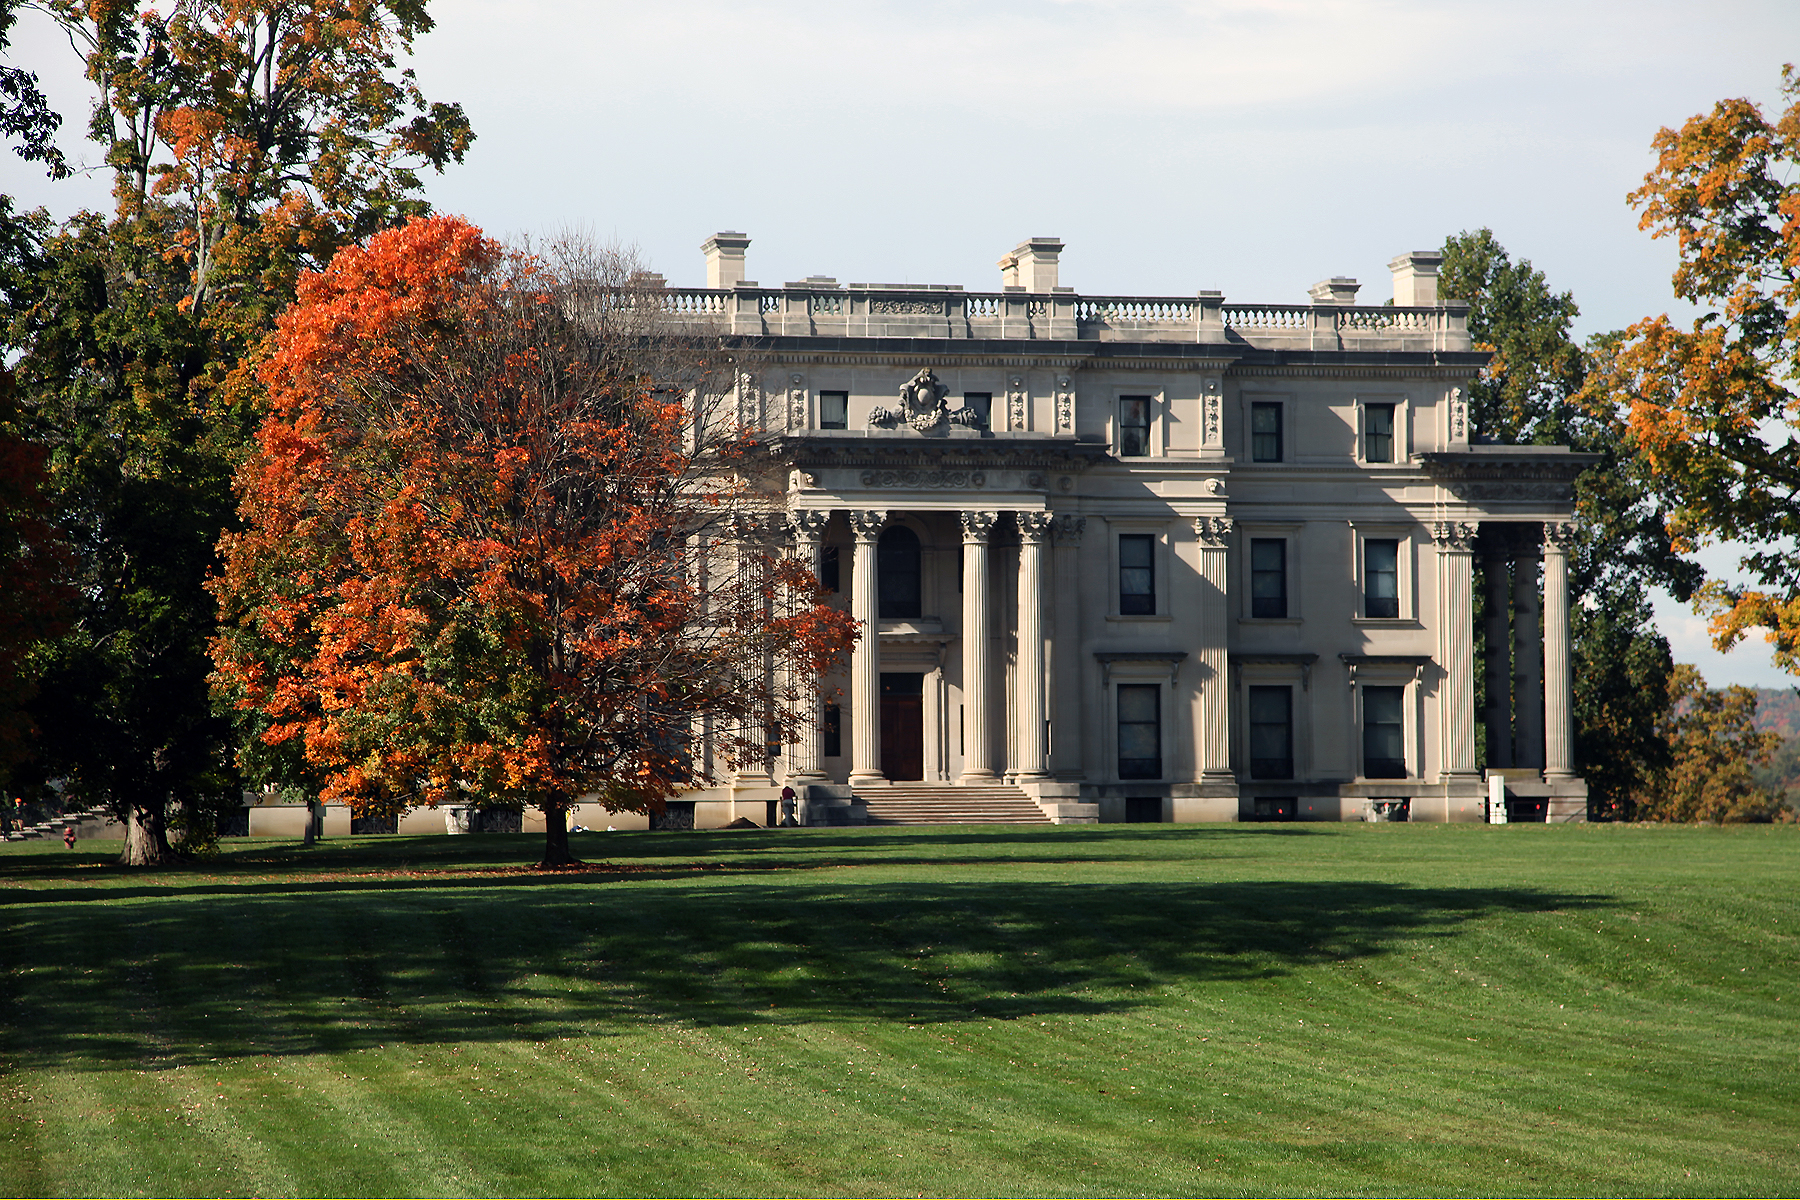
[
  {"x": 1213, "y": 531},
  {"x": 1065, "y": 405},
  {"x": 1455, "y": 536}
]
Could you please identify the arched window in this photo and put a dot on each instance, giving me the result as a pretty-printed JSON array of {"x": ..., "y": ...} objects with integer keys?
[{"x": 897, "y": 559}]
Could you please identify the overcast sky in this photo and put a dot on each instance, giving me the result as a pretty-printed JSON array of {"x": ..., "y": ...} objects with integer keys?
[{"x": 1255, "y": 146}]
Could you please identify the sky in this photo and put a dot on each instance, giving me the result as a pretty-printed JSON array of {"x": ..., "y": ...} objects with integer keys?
[{"x": 1252, "y": 146}]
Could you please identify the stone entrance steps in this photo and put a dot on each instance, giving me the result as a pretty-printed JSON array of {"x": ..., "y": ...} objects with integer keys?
[{"x": 943, "y": 804}]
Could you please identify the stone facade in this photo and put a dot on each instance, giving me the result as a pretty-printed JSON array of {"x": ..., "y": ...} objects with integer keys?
[{"x": 1157, "y": 557}]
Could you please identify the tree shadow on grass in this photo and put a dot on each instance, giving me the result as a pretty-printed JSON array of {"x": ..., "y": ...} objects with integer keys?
[{"x": 158, "y": 984}]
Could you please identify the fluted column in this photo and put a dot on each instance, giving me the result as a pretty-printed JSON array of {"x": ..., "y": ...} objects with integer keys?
[
  {"x": 1029, "y": 757},
  {"x": 1065, "y": 659},
  {"x": 978, "y": 749},
  {"x": 1456, "y": 641},
  {"x": 808, "y": 764},
  {"x": 1528, "y": 663},
  {"x": 1559, "y": 692},
  {"x": 1214, "y": 744},
  {"x": 865, "y": 660},
  {"x": 755, "y": 536},
  {"x": 1499, "y": 660}
]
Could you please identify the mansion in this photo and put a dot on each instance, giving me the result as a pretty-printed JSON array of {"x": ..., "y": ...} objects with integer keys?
[{"x": 1154, "y": 558}]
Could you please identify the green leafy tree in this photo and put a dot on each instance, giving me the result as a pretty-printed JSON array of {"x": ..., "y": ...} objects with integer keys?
[
  {"x": 1715, "y": 748},
  {"x": 1530, "y": 393},
  {"x": 1712, "y": 409},
  {"x": 247, "y": 141}
]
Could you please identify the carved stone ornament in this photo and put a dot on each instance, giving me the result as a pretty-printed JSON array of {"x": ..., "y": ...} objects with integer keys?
[
  {"x": 1455, "y": 536},
  {"x": 796, "y": 402},
  {"x": 1069, "y": 529},
  {"x": 912, "y": 478},
  {"x": 809, "y": 523},
  {"x": 922, "y": 406},
  {"x": 759, "y": 526},
  {"x": 907, "y": 308},
  {"x": 749, "y": 401},
  {"x": 1033, "y": 526},
  {"x": 1459, "y": 415},
  {"x": 1212, "y": 429},
  {"x": 1560, "y": 534},
  {"x": 867, "y": 523},
  {"x": 1015, "y": 402},
  {"x": 1213, "y": 531},
  {"x": 977, "y": 525},
  {"x": 1065, "y": 406}
]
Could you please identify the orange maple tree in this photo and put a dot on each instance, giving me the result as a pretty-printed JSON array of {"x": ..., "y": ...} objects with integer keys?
[
  {"x": 495, "y": 548},
  {"x": 1713, "y": 408}
]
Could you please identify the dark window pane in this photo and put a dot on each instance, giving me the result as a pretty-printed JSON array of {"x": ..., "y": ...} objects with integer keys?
[
  {"x": 831, "y": 732},
  {"x": 897, "y": 560},
  {"x": 982, "y": 405},
  {"x": 1384, "y": 733},
  {"x": 1134, "y": 426},
  {"x": 1268, "y": 577},
  {"x": 1137, "y": 574},
  {"x": 828, "y": 568},
  {"x": 1140, "y": 731},
  {"x": 1381, "y": 588},
  {"x": 1265, "y": 433},
  {"x": 834, "y": 410},
  {"x": 1272, "y": 732},
  {"x": 1378, "y": 433}
]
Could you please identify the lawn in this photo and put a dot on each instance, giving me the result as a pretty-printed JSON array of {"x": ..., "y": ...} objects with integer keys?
[{"x": 1380, "y": 1009}]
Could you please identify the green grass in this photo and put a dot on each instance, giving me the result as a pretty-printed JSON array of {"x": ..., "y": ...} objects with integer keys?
[{"x": 1384, "y": 1009}]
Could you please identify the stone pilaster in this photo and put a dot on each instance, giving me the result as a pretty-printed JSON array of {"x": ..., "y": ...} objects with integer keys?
[
  {"x": 865, "y": 660},
  {"x": 755, "y": 536},
  {"x": 1029, "y": 756},
  {"x": 807, "y": 764},
  {"x": 1456, "y": 641},
  {"x": 1528, "y": 668},
  {"x": 1559, "y": 694},
  {"x": 1213, "y": 746},
  {"x": 978, "y": 750}
]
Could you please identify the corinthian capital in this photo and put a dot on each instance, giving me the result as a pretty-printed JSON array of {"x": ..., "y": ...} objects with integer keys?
[
  {"x": 1455, "y": 536},
  {"x": 1212, "y": 531},
  {"x": 1560, "y": 535},
  {"x": 1033, "y": 526},
  {"x": 866, "y": 523},
  {"x": 809, "y": 523},
  {"x": 976, "y": 526}
]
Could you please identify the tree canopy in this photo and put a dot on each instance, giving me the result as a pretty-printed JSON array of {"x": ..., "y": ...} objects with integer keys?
[
  {"x": 1712, "y": 408},
  {"x": 491, "y": 550}
]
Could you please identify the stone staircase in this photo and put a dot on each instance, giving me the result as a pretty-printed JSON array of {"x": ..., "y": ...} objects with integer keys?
[
  {"x": 53, "y": 828},
  {"x": 943, "y": 804}
]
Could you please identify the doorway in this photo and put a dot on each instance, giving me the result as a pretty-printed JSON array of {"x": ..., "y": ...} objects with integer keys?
[{"x": 902, "y": 725}]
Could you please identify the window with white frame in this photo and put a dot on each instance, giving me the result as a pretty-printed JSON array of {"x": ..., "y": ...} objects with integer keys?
[{"x": 834, "y": 410}]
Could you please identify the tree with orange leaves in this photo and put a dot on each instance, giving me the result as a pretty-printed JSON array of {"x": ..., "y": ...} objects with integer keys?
[
  {"x": 493, "y": 552},
  {"x": 1712, "y": 409}
]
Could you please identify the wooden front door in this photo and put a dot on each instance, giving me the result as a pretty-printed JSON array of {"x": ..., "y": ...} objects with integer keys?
[{"x": 902, "y": 725}]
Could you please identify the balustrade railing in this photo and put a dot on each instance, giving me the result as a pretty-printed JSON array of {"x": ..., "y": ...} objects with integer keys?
[{"x": 1015, "y": 314}]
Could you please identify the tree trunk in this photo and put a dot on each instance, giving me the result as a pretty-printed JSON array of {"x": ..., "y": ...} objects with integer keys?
[
  {"x": 556, "y": 838},
  {"x": 146, "y": 839}
]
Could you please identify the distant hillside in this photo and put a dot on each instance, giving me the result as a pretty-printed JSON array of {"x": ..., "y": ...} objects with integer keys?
[{"x": 1778, "y": 709}]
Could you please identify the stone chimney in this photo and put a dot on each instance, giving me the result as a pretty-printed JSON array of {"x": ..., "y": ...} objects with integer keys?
[
  {"x": 1339, "y": 289},
  {"x": 1032, "y": 264},
  {"x": 1416, "y": 278},
  {"x": 724, "y": 258}
]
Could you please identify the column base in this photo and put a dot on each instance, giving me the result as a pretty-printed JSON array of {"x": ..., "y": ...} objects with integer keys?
[
  {"x": 868, "y": 779},
  {"x": 977, "y": 779}
]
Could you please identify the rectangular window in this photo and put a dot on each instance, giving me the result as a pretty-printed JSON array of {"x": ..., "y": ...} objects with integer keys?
[
  {"x": 831, "y": 732},
  {"x": 1378, "y": 433},
  {"x": 1271, "y": 733},
  {"x": 834, "y": 410},
  {"x": 1384, "y": 733},
  {"x": 1137, "y": 575},
  {"x": 982, "y": 405},
  {"x": 828, "y": 568},
  {"x": 1265, "y": 433},
  {"x": 1140, "y": 731},
  {"x": 1134, "y": 426},
  {"x": 1268, "y": 577},
  {"x": 1381, "y": 577}
]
